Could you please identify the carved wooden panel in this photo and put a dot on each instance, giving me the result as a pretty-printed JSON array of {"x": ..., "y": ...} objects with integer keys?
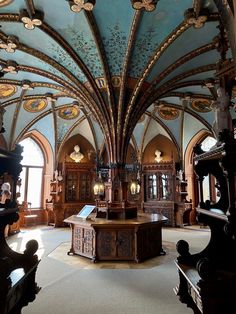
[
  {"x": 125, "y": 243},
  {"x": 149, "y": 242},
  {"x": 83, "y": 241},
  {"x": 106, "y": 244}
]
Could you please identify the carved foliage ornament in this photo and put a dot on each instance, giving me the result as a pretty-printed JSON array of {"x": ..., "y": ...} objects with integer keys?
[
  {"x": 10, "y": 67},
  {"x": 147, "y": 5},
  {"x": 78, "y": 5},
  {"x": 196, "y": 21},
  {"x": 30, "y": 22},
  {"x": 4, "y": 3},
  {"x": 10, "y": 44}
]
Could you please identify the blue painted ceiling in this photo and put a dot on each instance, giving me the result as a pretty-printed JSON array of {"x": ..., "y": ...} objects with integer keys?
[{"x": 109, "y": 65}]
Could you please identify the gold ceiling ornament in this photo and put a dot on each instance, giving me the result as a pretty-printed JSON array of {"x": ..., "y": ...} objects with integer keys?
[
  {"x": 4, "y": 3},
  {"x": 69, "y": 113},
  {"x": 76, "y": 155},
  {"x": 30, "y": 21},
  {"x": 35, "y": 105},
  {"x": 7, "y": 90},
  {"x": 78, "y": 5},
  {"x": 147, "y": 5},
  {"x": 26, "y": 85},
  {"x": 10, "y": 67},
  {"x": 201, "y": 105},
  {"x": 10, "y": 44},
  {"x": 168, "y": 113},
  {"x": 197, "y": 21}
]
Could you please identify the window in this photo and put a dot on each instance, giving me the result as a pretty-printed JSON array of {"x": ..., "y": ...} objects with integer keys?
[
  {"x": 32, "y": 173},
  {"x": 157, "y": 186},
  {"x": 208, "y": 143}
]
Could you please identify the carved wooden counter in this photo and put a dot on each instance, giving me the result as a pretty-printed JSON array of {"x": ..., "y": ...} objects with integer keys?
[{"x": 131, "y": 239}]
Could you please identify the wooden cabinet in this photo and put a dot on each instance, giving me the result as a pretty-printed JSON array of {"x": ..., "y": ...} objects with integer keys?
[
  {"x": 104, "y": 240},
  {"x": 158, "y": 182},
  {"x": 207, "y": 279},
  {"x": 165, "y": 193},
  {"x": 71, "y": 193},
  {"x": 78, "y": 183}
]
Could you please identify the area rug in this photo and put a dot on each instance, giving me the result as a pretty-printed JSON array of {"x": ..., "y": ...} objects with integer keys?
[{"x": 60, "y": 254}]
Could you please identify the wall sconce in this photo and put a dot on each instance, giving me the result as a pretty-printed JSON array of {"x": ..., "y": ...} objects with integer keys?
[
  {"x": 99, "y": 187},
  {"x": 158, "y": 157},
  {"x": 76, "y": 155}
]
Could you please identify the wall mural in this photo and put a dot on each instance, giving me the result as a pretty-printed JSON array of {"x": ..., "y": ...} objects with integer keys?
[
  {"x": 144, "y": 49},
  {"x": 115, "y": 46},
  {"x": 68, "y": 113},
  {"x": 86, "y": 49},
  {"x": 35, "y": 105},
  {"x": 168, "y": 113},
  {"x": 201, "y": 105},
  {"x": 7, "y": 90},
  {"x": 62, "y": 58}
]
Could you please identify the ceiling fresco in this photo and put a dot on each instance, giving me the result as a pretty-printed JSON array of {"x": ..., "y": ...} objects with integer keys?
[{"x": 116, "y": 72}]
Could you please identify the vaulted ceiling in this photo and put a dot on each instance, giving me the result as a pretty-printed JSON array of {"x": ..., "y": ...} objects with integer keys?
[{"x": 115, "y": 72}]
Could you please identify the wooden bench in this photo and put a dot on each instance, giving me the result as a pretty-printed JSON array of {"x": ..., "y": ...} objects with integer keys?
[{"x": 17, "y": 270}]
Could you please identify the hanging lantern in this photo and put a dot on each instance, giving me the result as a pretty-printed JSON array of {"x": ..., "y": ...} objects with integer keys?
[
  {"x": 135, "y": 187},
  {"x": 99, "y": 187}
]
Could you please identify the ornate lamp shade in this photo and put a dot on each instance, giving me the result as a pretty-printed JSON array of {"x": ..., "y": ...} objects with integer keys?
[
  {"x": 99, "y": 188},
  {"x": 135, "y": 187}
]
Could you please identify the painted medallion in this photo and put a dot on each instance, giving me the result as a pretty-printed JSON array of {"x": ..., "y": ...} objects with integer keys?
[
  {"x": 201, "y": 105},
  {"x": 68, "y": 113},
  {"x": 168, "y": 113},
  {"x": 7, "y": 90},
  {"x": 35, "y": 105}
]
